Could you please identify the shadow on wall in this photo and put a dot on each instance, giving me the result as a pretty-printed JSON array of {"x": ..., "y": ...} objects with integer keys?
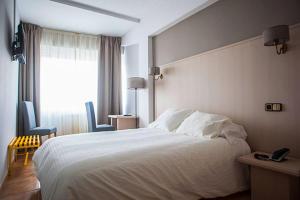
[{"x": 9, "y": 33}]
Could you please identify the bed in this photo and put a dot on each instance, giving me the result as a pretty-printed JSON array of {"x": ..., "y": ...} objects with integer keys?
[{"x": 145, "y": 163}]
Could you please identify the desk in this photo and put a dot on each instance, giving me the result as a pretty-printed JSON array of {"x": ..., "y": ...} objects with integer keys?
[{"x": 121, "y": 122}]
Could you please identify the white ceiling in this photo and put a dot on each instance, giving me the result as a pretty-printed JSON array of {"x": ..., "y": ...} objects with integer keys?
[{"x": 63, "y": 17}]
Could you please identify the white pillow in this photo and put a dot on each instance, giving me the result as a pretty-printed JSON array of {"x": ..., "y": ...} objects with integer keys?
[
  {"x": 203, "y": 124},
  {"x": 162, "y": 117},
  {"x": 233, "y": 132},
  {"x": 170, "y": 119}
]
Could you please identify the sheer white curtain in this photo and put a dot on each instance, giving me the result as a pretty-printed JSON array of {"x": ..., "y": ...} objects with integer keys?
[{"x": 69, "y": 66}]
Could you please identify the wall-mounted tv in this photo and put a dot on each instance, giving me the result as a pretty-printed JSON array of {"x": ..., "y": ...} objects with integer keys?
[{"x": 18, "y": 46}]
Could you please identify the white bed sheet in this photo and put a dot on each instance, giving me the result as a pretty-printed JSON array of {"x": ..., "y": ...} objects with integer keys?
[{"x": 139, "y": 164}]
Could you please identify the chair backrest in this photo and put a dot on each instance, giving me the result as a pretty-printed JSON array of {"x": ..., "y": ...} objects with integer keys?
[
  {"x": 29, "y": 116},
  {"x": 90, "y": 116}
]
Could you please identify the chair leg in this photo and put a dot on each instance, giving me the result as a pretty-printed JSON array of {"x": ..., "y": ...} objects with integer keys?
[
  {"x": 41, "y": 141},
  {"x": 26, "y": 157}
]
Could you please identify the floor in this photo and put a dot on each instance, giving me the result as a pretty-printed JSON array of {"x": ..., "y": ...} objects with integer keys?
[{"x": 23, "y": 185}]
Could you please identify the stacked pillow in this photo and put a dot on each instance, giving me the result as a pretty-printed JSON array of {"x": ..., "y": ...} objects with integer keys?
[
  {"x": 198, "y": 124},
  {"x": 170, "y": 119},
  {"x": 203, "y": 124}
]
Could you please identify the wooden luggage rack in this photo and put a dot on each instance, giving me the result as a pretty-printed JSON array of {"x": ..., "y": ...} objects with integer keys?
[{"x": 24, "y": 143}]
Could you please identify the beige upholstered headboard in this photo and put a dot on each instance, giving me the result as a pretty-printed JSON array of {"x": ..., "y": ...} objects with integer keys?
[{"x": 237, "y": 81}]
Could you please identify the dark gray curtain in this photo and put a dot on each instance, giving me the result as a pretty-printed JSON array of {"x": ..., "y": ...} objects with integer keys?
[
  {"x": 109, "y": 78},
  {"x": 29, "y": 73}
]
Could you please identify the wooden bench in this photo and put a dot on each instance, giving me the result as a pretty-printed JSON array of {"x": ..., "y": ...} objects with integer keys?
[{"x": 22, "y": 143}]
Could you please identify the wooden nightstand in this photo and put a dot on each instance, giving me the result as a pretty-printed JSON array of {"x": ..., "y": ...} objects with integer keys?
[
  {"x": 273, "y": 180},
  {"x": 121, "y": 122}
]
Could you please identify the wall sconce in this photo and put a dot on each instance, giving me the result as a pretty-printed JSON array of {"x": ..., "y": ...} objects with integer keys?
[
  {"x": 155, "y": 71},
  {"x": 277, "y": 36}
]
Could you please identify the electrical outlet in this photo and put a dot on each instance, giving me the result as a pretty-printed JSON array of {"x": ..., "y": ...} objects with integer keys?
[{"x": 273, "y": 107}]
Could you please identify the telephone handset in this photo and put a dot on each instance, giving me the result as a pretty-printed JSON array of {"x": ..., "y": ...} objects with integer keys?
[
  {"x": 276, "y": 156},
  {"x": 280, "y": 154}
]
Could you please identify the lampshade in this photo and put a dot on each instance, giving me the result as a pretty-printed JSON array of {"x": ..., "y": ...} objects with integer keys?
[
  {"x": 154, "y": 71},
  {"x": 276, "y": 35},
  {"x": 135, "y": 82}
]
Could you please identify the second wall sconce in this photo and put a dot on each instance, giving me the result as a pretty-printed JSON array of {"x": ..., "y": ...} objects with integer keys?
[
  {"x": 277, "y": 36},
  {"x": 155, "y": 72}
]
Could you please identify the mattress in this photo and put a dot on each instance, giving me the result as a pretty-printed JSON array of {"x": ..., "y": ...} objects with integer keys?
[{"x": 144, "y": 163}]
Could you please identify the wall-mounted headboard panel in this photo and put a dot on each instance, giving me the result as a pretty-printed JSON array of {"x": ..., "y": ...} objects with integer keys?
[{"x": 237, "y": 80}]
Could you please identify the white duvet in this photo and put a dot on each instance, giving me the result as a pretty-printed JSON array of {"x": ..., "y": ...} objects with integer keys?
[{"x": 139, "y": 164}]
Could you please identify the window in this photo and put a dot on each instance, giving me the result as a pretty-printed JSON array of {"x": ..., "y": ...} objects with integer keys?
[{"x": 69, "y": 67}]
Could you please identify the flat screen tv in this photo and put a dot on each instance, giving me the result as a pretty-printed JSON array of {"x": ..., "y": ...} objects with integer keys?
[{"x": 18, "y": 46}]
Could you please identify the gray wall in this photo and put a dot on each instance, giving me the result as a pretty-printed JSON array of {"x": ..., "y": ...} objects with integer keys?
[
  {"x": 8, "y": 84},
  {"x": 131, "y": 61},
  {"x": 223, "y": 23}
]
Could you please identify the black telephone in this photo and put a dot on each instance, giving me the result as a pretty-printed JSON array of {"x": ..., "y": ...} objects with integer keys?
[
  {"x": 276, "y": 156},
  {"x": 280, "y": 154}
]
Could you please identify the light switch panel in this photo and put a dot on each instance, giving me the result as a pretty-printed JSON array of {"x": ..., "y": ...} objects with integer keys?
[{"x": 273, "y": 107}]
